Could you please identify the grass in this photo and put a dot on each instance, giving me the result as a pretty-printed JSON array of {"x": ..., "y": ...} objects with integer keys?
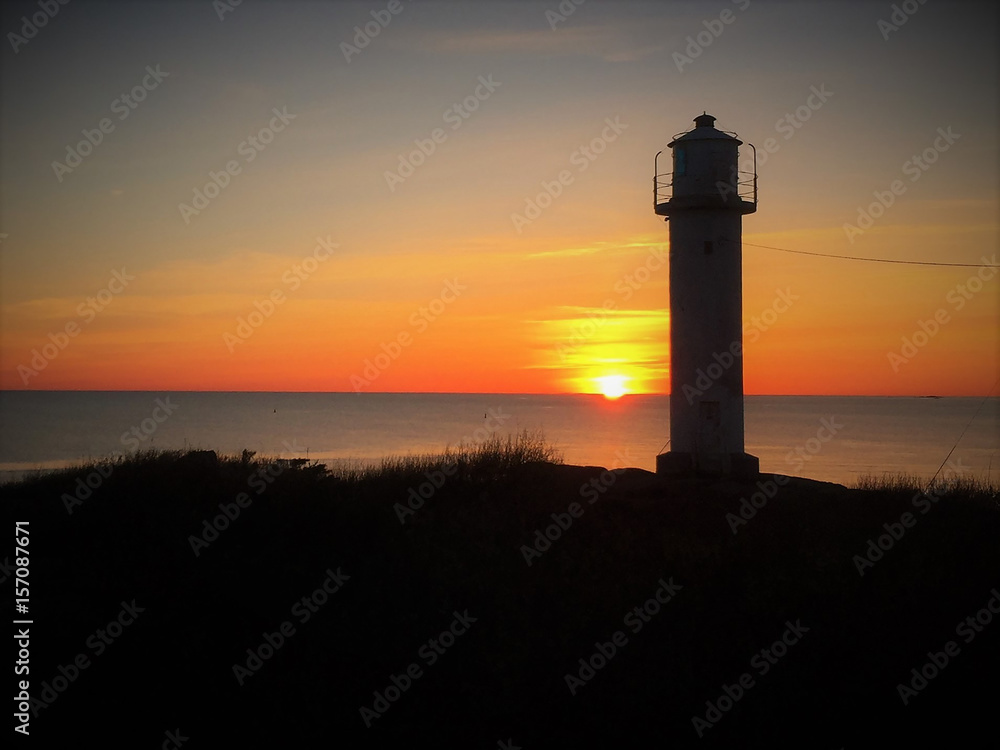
[
  {"x": 908, "y": 483},
  {"x": 104, "y": 465},
  {"x": 491, "y": 459}
]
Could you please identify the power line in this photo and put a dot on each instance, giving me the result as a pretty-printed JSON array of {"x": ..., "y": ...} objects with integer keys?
[
  {"x": 981, "y": 405},
  {"x": 872, "y": 260}
]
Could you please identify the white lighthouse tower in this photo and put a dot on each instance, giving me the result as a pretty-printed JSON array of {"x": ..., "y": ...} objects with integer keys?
[{"x": 704, "y": 200}]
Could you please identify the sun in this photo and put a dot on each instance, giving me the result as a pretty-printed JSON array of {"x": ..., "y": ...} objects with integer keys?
[{"x": 612, "y": 386}]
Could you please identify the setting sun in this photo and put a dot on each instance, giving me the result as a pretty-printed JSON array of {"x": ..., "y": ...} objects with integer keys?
[{"x": 612, "y": 386}]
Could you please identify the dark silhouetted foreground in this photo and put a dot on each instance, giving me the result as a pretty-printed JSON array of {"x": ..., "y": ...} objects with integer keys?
[{"x": 274, "y": 619}]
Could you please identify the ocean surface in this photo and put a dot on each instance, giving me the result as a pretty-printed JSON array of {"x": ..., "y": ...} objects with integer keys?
[{"x": 830, "y": 438}]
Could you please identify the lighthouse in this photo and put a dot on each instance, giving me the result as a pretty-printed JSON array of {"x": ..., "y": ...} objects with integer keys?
[{"x": 703, "y": 199}]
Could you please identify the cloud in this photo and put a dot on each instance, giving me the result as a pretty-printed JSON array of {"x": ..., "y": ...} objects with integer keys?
[
  {"x": 575, "y": 338},
  {"x": 609, "y": 247},
  {"x": 632, "y": 55},
  {"x": 610, "y": 43}
]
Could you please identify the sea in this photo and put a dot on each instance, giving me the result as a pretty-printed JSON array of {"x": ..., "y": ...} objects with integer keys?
[{"x": 829, "y": 438}]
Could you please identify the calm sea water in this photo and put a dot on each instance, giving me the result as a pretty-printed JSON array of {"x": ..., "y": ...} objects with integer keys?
[{"x": 45, "y": 430}]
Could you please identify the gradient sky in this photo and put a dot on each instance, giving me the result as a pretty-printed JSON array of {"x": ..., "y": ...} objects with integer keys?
[{"x": 521, "y": 322}]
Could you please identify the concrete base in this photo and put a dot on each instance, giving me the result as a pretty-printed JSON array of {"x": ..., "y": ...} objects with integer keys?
[{"x": 742, "y": 465}]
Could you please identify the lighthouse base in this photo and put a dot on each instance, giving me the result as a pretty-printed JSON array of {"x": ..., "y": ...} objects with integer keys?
[{"x": 742, "y": 465}]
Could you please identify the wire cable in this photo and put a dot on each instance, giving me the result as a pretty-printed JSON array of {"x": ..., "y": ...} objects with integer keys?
[{"x": 871, "y": 260}]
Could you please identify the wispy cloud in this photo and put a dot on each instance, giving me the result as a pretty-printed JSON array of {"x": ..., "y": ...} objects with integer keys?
[
  {"x": 610, "y": 43},
  {"x": 600, "y": 247}
]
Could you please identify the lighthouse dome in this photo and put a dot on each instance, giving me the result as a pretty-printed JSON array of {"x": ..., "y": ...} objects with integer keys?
[{"x": 705, "y": 130}]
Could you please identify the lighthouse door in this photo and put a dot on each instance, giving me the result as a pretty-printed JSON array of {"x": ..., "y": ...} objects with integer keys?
[{"x": 710, "y": 453}]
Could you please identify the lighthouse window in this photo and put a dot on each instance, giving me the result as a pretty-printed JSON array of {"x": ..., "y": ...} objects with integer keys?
[
  {"x": 710, "y": 412},
  {"x": 680, "y": 161}
]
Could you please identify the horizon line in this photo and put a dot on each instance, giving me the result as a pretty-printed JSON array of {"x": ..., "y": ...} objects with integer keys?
[{"x": 483, "y": 393}]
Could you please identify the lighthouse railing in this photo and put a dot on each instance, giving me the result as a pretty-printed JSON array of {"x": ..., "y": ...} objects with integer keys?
[
  {"x": 753, "y": 199},
  {"x": 660, "y": 182},
  {"x": 746, "y": 186},
  {"x": 663, "y": 188}
]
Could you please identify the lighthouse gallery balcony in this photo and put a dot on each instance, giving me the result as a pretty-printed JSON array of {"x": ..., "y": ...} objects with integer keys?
[{"x": 740, "y": 194}]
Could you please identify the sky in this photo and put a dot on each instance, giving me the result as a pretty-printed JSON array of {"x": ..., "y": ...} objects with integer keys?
[{"x": 457, "y": 197}]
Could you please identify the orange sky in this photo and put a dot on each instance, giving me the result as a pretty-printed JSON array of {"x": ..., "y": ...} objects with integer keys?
[{"x": 483, "y": 302}]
